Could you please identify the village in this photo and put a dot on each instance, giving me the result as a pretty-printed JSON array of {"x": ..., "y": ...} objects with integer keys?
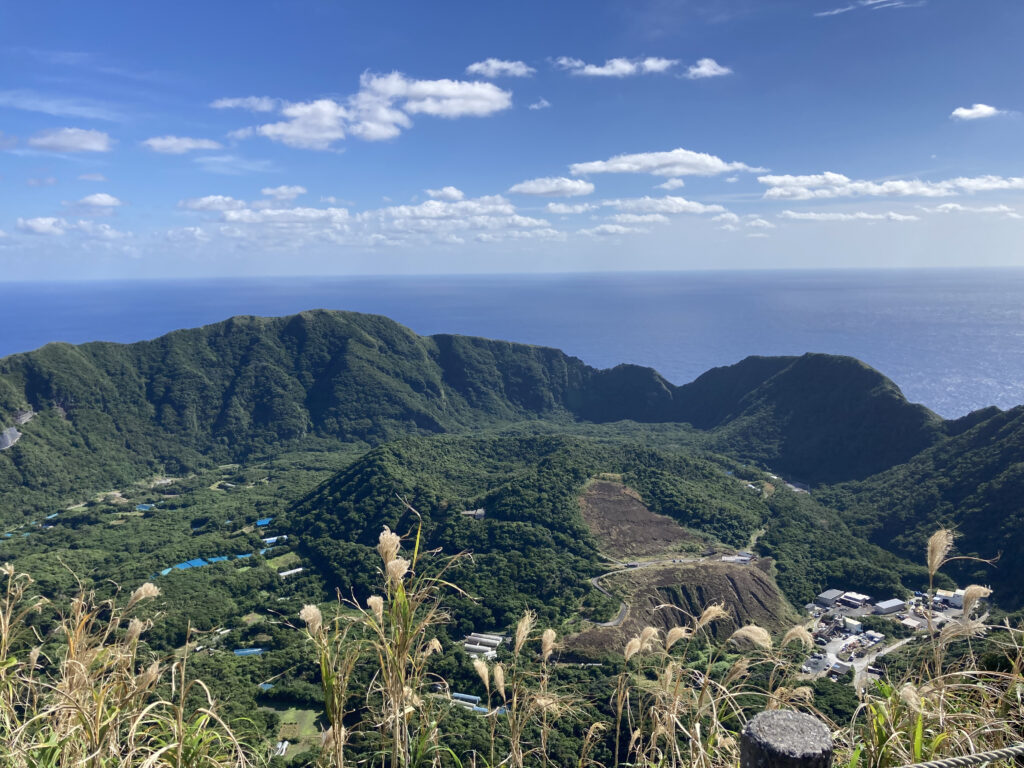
[{"x": 845, "y": 644}]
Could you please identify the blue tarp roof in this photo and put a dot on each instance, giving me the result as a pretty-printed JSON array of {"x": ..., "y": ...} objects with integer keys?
[
  {"x": 242, "y": 557},
  {"x": 196, "y": 562},
  {"x": 265, "y": 521},
  {"x": 50, "y": 517},
  {"x": 266, "y": 686},
  {"x": 165, "y": 571},
  {"x": 248, "y": 651},
  {"x": 143, "y": 507},
  {"x": 218, "y": 559}
]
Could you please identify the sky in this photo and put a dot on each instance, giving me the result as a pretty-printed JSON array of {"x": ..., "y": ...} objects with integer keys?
[{"x": 332, "y": 137}]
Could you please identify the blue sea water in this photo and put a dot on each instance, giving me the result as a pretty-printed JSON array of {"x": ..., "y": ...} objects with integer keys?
[{"x": 951, "y": 339}]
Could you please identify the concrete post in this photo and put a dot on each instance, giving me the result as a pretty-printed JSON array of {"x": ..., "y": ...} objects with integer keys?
[{"x": 782, "y": 739}]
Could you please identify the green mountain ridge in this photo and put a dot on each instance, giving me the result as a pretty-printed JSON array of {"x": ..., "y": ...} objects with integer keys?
[{"x": 251, "y": 386}]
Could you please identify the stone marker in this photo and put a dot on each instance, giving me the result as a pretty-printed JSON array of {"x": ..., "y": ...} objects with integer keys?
[{"x": 782, "y": 739}]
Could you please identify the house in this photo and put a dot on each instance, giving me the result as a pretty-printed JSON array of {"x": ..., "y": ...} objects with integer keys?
[
  {"x": 292, "y": 572},
  {"x": 842, "y": 667},
  {"x": 248, "y": 651},
  {"x": 890, "y": 606},
  {"x": 476, "y": 514},
  {"x": 913, "y": 624},
  {"x": 957, "y": 600},
  {"x": 264, "y": 521},
  {"x": 828, "y": 597},
  {"x": 852, "y": 625}
]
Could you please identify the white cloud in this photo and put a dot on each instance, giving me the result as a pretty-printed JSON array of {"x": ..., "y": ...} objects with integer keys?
[
  {"x": 43, "y": 225},
  {"x": 46, "y": 181},
  {"x": 284, "y": 192},
  {"x": 957, "y": 208},
  {"x": 540, "y": 104},
  {"x": 451, "y": 194},
  {"x": 500, "y": 68},
  {"x": 310, "y": 125},
  {"x": 380, "y": 110},
  {"x": 705, "y": 68},
  {"x": 758, "y": 223},
  {"x": 727, "y": 218},
  {"x": 830, "y": 185},
  {"x": 100, "y": 200},
  {"x": 668, "y": 204},
  {"x": 92, "y": 177},
  {"x": 183, "y": 234},
  {"x": 671, "y": 184},
  {"x": 179, "y": 145},
  {"x": 212, "y": 203},
  {"x": 731, "y": 179},
  {"x": 639, "y": 218},
  {"x": 836, "y": 11},
  {"x": 837, "y": 216},
  {"x": 975, "y": 112},
  {"x": 553, "y": 187},
  {"x": 251, "y": 103},
  {"x": 564, "y": 209},
  {"x": 72, "y": 140},
  {"x": 605, "y": 230},
  {"x": 333, "y": 217},
  {"x": 618, "y": 67},
  {"x": 100, "y": 231},
  {"x": 676, "y": 162}
]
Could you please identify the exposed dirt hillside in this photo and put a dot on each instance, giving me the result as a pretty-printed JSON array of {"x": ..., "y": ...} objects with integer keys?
[
  {"x": 625, "y": 528},
  {"x": 664, "y": 597}
]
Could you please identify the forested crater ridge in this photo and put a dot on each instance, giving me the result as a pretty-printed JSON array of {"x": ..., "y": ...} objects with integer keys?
[
  {"x": 105, "y": 414},
  {"x": 251, "y": 386}
]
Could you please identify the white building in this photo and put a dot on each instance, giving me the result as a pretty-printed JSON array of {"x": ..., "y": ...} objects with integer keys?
[{"x": 890, "y": 606}]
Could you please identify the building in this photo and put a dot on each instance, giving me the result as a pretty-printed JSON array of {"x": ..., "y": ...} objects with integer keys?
[
  {"x": 957, "y": 600},
  {"x": 890, "y": 606},
  {"x": 476, "y": 514},
  {"x": 828, "y": 597},
  {"x": 842, "y": 667},
  {"x": 854, "y": 599},
  {"x": 913, "y": 624},
  {"x": 852, "y": 625}
]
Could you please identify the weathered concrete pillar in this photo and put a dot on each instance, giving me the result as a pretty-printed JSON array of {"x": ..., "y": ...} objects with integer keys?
[{"x": 782, "y": 739}]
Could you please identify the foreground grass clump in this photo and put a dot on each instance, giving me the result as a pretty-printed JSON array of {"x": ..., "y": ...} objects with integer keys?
[{"x": 84, "y": 694}]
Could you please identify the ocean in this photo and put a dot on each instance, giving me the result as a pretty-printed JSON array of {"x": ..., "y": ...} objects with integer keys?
[{"x": 951, "y": 339}]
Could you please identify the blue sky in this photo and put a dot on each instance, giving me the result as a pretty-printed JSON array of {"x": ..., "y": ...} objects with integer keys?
[{"x": 331, "y": 137}]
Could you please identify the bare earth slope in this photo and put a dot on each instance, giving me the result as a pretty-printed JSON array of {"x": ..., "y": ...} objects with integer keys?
[
  {"x": 663, "y": 597},
  {"x": 624, "y": 527}
]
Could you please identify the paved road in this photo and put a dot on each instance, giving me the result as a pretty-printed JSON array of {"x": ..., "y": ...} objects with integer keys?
[
  {"x": 624, "y": 607},
  {"x": 860, "y": 665}
]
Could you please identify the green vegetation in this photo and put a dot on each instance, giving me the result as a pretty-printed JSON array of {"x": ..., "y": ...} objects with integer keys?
[{"x": 328, "y": 426}]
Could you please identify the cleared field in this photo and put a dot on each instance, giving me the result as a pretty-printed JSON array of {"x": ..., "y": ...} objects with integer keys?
[
  {"x": 299, "y": 727},
  {"x": 624, "y": 527}
]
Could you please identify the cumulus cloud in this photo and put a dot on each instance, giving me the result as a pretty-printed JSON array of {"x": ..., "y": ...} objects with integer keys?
[
  {"x": 838, "y": 216},
  {"x": 100, "y": 231},
  {"x": 179, "y": 145},
  {"x": 553, "y": 187},
  {"x": 380, "y": 110},
  {"x": 310, "y": 125},
  {"x": 283, "y": 192},
  {"x": 605, "y": 230},
  {"x": 619, "y": 67},
  {"x": 72, "y": 140},
  {"x": 43, "y": 225},
  {"x": 540, "y": 104},
  {"x": 676, "y": 162},
  {"x": 212, "y": 203},
  {"x": 100, "y": 200},
  {"x": 671, "y": 184},
  {"x": 251, "y": 103},
  {"x": 957, "y": 208},
  {"x": 726, "y": 218},
  {"x": 500, "y": 68},
  {"x": 705, "y": 68},
  {"x": 974, "y": 112},
  {"x": 669, "y": 204},
  {"x": 451, "y": 194},
  {"x": 758, "y": 223},
  {"x": 565, "y": 209},
  {"x": 639, "y": 218},
  {"x": 334, "y": 217},
  {"x": 831, "y": 185}
]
